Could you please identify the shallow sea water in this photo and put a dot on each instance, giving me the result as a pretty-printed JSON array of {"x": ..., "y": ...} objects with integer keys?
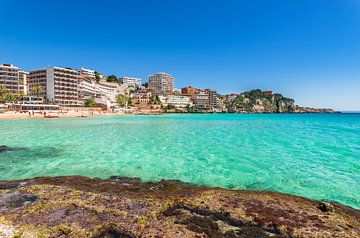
[{"x": 315, "y": 156}]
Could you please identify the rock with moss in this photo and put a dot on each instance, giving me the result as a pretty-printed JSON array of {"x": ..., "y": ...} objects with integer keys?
[{"x": 127, "y": 207}]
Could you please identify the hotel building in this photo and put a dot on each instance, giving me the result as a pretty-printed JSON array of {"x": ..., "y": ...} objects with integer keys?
[
  {"x": 9, "y": 77},
  {"x": 161, "y": 84},
  {"x": 179, "y": 101},
  {"x": 60, "y": 85}
]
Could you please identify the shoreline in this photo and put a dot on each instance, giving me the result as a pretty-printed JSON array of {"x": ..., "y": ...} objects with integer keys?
[
  {"x": 12, "y": 115},
  {"x": 77, "y": 206}
]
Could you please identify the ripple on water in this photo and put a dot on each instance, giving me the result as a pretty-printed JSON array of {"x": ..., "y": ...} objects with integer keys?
[{"x": 315, "y": 156}]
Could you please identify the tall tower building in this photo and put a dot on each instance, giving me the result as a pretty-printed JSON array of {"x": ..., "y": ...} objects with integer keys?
[{"x": 161, "y": 84}]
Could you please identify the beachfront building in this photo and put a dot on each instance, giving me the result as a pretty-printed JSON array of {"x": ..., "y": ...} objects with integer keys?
[
  {"x": 213, "y": 97},
  {"x": 87, "y": 88},
  {"x": 161, "y": 84},
  {"x": 111, "y": 90},
  {"x": 141, "y": 97},
  {"x": 201, "y": 100},
  {"x": 9, "y": 77},
  {"x": 23, "y": 77},
  {"x": 133, "y": 83},
  {"x": 179, "y": 101},
  {"x": 59, "y": 85}
]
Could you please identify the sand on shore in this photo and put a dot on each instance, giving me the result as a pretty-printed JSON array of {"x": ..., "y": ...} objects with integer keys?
[{"x": 9, "y": 115}]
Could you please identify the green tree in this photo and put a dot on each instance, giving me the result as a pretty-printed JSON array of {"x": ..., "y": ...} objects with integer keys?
[
  {"x": 145, "y": 84},
  {"x": 37, "y": 90},
  {"x": 97, "y": 76},
  {"x": 7, "y": 96},
  {"x": 122, "y": 100},
  {"x": 89, "y": 102},
  {"x": 111, "y": 78},
  {"x": 3, "y": 92},
  {"x": 155, "y": 100}
]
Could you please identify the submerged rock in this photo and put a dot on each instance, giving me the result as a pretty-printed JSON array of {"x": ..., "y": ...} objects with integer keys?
[
  {"x": 125, "y": 207},
  {"x": 4, "y": 148}
]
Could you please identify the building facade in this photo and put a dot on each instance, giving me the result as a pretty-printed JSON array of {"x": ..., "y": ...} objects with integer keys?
[
  {"x": 87, "y": 72},
  {"x": 201, "y": 100},
  {"x": 161, "y": 84},
  {"x": 59, "y": 85},
  {"x": 179, "y": 101},
  {"x": 9, "y": 77},
  {"x": 23, "y": 85},
  {"x": 213, "y": 98},
  {"x": 141, "y": 97},
  {"x": 87, "y": 88},
  {"x": 131, "y": 81},
  {"x": 189, "y": 90}
]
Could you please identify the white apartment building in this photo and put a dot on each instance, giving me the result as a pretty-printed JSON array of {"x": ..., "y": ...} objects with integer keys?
[
  {"x": 87, "y": 72},
  {"x": 201, "y": 100},
  {"x": 60, "y": 85},
  {"x": 88, "y": 88},
  {"x": 131, "y": 81},
  {"x": 9, "y": 77},
  {"x": 161, "y": 83},
  {"x": 23, "y": 86},
  {"x": 179, "y": 101},
  {"x": 112, "y": 90}
]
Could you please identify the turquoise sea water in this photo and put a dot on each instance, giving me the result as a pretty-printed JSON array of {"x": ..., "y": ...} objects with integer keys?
[{"x": 316, "y": 156}]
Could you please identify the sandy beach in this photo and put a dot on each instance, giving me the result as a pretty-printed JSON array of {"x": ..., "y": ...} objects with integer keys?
[{"x": 11, "y": 115}]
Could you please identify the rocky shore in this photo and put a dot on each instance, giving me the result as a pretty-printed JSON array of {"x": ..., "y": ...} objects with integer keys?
[{"x": 124, "y": 207}]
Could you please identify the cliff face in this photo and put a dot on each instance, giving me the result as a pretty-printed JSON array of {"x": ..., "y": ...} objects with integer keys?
[
  {"x": 257, "y": 101},
  {"x": 123, "y": 207}
]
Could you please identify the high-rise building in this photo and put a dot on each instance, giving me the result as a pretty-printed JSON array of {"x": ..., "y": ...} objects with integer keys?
[
  {"x": 58, "y": 85},
  {"x": 9, "y": 77},
  {"x": 161, "y": 84}
]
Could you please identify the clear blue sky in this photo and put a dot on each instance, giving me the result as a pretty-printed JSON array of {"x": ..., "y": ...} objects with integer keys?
[{"x": 306, "y": 49}]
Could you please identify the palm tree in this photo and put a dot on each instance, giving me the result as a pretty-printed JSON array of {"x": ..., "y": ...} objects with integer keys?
[
  {"x": 122, "y": 100},
  {"x": 5, "y": 94},
  {"x": 37, "y": 90},
  {"x": 3, "y": 91}
]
